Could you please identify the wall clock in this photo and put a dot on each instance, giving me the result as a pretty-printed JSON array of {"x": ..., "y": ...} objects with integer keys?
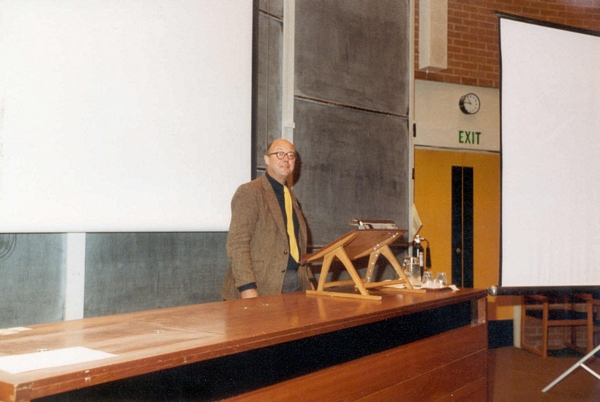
[{"x": 469, "y": 103}]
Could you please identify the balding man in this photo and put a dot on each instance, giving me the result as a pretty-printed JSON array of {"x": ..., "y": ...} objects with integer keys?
[{"x": 266, "y": 238}]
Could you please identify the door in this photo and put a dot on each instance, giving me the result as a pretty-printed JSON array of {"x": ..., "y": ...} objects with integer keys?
[{"x": 434, "y": 201}]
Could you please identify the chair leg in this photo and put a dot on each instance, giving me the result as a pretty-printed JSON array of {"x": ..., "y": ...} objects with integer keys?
[
  {"x": 589, "y": 309},
  {"x": 523, "y": 319},
  {"x": 541, "y": 351},
  {"x": 545, "y": 314}
]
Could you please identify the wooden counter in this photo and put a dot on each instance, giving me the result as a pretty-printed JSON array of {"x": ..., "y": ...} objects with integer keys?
[{"x": 155, "y": 340}]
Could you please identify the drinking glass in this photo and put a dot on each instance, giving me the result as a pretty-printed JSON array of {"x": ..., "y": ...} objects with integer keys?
[
  {"x": 412, "y": 270},
  {"x": 427, "y": 279},
  {"x": 441, "y": 280}
]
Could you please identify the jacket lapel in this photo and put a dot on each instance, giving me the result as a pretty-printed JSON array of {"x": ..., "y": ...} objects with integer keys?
[{"x": 273, "y": 204}]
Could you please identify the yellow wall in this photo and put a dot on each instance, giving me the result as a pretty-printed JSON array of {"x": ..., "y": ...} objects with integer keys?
[{"x": 433, "y": 199}]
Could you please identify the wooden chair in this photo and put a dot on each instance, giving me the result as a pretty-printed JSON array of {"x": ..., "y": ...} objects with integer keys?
[
  {"x": 592, "y": 309},
  {"x": 592, "y": 303},
  {"x": 559, "y": 311}
]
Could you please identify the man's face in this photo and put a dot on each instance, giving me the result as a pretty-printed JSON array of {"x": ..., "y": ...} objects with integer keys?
[{"x": 280, "y": 169}]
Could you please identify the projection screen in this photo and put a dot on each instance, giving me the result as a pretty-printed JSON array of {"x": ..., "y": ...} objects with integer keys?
[
  {"x": 123, "y": 115},
  {"x": 550, "y": 148}
]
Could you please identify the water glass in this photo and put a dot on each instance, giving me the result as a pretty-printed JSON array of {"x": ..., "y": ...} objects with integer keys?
[
  {"x": 427, "y": 279},
  {"x": 412, "y": 270},
  {"x": 440, "y": 280}
]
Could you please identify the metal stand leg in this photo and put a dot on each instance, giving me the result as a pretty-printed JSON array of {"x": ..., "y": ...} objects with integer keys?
[{"x": 579, "y": 363}]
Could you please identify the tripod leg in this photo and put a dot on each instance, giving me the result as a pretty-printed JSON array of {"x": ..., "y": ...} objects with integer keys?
[{"x": 573, "y": 367}]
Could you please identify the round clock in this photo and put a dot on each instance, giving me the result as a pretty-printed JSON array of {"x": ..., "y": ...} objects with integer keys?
[{"x": 469, "y": 103}]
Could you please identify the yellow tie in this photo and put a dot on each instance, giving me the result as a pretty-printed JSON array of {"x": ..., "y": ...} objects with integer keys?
[{"x": 289, "y": 213}]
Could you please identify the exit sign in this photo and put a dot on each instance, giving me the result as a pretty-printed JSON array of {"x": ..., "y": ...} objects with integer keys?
[{"x": 468, "y": 137}]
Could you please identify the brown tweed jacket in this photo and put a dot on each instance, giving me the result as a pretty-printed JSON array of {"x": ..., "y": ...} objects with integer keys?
[{"x": 257, "y": 243}]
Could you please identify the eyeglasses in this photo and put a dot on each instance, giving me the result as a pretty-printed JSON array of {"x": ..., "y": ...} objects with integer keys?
[{"x": 281, "y": 155}]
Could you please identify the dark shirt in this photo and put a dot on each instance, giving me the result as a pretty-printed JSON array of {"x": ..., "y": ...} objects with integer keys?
[{"x": 279, "y": 193}]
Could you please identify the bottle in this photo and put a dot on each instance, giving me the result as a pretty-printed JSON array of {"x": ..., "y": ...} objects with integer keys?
[{"x": 418, "y": 252}]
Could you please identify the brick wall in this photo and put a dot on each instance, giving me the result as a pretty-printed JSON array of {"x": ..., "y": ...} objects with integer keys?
[{"x": 473, "y": 47}]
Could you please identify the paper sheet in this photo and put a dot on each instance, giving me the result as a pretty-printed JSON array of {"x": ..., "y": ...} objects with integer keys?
[
  {"x": 16, "y": 364},
  {"x": 12, "y": 331}
]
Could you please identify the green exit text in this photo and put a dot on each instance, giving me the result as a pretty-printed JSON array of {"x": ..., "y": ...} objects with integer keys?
[{"x": 468, "y": 137}]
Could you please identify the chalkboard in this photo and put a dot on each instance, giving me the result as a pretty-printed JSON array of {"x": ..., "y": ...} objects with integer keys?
[
  {"x": 353, "y": 165},
  {"x": 354, "y": 53},
  {"x": 351, "y": 113},
  {"x": 140, "y": 271},
  {"x": 32, "y": 287}
]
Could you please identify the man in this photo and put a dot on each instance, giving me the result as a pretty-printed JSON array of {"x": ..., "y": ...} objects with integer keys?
[{"x": 262, "y": 258}]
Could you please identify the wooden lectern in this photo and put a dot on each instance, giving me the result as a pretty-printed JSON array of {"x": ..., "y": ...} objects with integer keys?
[{"x": 356, "y": 244}]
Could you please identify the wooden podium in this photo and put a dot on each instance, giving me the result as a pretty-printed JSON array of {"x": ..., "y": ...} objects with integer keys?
[{"x": 356, "y": 244}]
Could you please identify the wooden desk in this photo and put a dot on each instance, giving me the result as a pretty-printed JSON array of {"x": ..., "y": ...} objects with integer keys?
[{"x": 151, "y": 341}]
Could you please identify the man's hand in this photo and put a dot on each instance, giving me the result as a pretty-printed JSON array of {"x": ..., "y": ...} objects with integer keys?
[{"x": 249, "y": 293}]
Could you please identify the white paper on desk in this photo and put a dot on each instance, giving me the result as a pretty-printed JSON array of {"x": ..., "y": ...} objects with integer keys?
[{"x": 16, "y": 364}]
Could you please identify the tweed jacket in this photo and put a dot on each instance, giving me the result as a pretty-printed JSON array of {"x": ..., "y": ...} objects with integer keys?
[{"x": 257, "y": 243}]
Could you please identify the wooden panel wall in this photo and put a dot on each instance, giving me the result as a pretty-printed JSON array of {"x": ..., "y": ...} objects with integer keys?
[{"x": 451, "y": 365}]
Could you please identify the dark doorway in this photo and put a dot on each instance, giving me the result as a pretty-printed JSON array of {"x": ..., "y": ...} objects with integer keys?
[{"x": 462, "y": 226}]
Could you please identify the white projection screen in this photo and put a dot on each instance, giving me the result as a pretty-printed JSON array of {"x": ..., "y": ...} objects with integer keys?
[
  {"x": 123, "y": 115},
  {"x": 550, "y": 119}
]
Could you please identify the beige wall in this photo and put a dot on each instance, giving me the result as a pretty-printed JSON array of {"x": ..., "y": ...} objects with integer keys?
[{"x": 441, "y": 124}]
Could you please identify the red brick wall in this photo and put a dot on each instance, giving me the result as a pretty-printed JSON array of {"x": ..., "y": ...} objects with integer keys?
[{"x": 473, "y": 56}]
